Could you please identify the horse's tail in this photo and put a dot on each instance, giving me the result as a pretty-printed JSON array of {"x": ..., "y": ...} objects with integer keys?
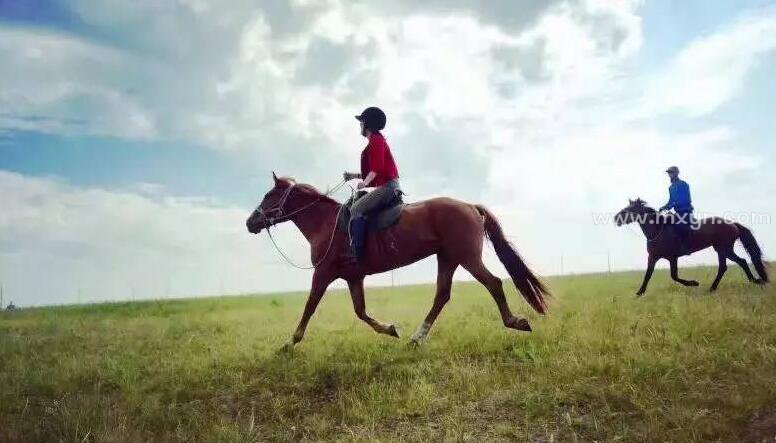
[
  {"x": 525, "y": 280},
  {"x": 753, "y": 249}
]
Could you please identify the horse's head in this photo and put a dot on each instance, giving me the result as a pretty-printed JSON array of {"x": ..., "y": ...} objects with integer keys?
[
  {"x": 636, "y": 211},
  {"x": 272, "y": 207}
]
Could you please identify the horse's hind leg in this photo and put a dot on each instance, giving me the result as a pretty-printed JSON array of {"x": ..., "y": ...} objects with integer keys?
[
  {"x": 478, "y": 270},
  {"x": 722, "y": 256},
  {"x": 357, "y": 295},
  {"x": 740, "y": 261},
  {"x": 445, "y": 270}
]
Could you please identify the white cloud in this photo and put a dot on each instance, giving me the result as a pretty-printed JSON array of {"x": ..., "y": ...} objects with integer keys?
[
  {"x": 537, "y": 106},
  {"x": 57, "y": 241},
  {"x": 712, "y": 70},
  {"x": 59, "y": 83}
]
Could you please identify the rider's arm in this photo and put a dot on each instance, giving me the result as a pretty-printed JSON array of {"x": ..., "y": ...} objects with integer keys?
[
  {"x": 684, "y": 194},
  {"x": 369, "y": 177},
  {"x": 671, "y": 199}
]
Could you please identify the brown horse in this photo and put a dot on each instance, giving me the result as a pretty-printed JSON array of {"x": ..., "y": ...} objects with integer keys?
[
  {"x": 451, "y": 229},
  {"x": 714, "y": 232}
]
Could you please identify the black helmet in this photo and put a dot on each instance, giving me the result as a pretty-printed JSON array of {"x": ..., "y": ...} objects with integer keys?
[{"x": 373, "y": 118}]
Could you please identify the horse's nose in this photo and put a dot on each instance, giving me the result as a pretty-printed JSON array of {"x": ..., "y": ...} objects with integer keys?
[{"x": 251, "y": 224}]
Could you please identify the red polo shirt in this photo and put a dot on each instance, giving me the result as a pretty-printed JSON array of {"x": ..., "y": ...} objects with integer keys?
[{"x": 377, "y": 157}]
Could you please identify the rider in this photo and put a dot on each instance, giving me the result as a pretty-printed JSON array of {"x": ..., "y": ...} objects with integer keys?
[
  {"x": 378, "y": 170},
  {"x": 679, "y": 200}
]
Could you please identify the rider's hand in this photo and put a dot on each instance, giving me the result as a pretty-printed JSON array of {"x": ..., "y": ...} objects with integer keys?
[
  {"x": 361, "y": 185},
  {"x": 347, "y": 176}
]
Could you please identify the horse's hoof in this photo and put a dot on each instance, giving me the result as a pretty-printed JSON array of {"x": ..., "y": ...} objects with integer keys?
[
  {"x": 639, "y": 294},
  {"x": 523, "y": 325},
  {"x": 693, "y": 283},
  {"x": 414, "y": 343},
  {"x": 392, "y": 331},
  {"x": 519, "y": 324},
  {"x": 758, "y": 281}
]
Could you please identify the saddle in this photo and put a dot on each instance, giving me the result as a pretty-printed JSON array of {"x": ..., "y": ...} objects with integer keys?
[{"x": 377, "y": 220}]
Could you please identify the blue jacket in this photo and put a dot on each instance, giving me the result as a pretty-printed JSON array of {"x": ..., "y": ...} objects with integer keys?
[{"x": 678, "y": 197}]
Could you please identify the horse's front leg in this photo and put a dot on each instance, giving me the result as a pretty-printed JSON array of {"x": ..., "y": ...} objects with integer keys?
[
  {"x": 317, "y": 289},
  {"x": 651, "y": 260},
  {"x": 675, "y": 273},
  {"x": 356, "y": 287}
]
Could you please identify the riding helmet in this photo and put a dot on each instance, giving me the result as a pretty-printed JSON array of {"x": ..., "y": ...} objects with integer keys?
[
  {"x": 373, "y": 118},
  {"x": 673, "y": 169}
]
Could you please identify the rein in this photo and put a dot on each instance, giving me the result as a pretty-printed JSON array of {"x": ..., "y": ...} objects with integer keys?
[
  {"x": 657, "y": 236},
  {"x": 659, "y": 233},
  {"x": 270, "y": 222}
]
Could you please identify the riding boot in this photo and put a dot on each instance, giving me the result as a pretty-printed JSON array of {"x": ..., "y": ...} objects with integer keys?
[{"x": 357, "y": 229}]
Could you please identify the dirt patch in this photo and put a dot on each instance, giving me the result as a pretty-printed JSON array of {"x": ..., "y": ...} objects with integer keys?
[{"x": 761, "y": 428}]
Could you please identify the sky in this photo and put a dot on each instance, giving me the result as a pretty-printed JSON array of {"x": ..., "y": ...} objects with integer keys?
[{"x": 136, "y": 137}]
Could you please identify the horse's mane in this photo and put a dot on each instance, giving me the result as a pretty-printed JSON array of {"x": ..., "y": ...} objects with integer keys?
[
  {"x": 308, "y": 189},
  {"x": 661, "y": 219},
  {"x": 645, "y": 205}
]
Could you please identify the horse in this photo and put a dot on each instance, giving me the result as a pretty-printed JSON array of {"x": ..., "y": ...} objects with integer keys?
[
  {"x": 450, "y": 229},
  {"x": 714, "y": 232}
]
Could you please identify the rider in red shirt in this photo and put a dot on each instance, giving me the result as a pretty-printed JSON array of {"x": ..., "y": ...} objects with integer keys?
[
  {"x": 378, "y": 170},
  {"x": 377, "y": 158}
]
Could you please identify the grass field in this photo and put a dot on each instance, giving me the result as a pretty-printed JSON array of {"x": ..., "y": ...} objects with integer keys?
[{"x": 678, "y": 364}]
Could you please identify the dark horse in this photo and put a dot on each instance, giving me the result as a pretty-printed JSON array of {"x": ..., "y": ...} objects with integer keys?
[
  {"x": 451, "y": 229},
  {"x": 713, "y": 231}
]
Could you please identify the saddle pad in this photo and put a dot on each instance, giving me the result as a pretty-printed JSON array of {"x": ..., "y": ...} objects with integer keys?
[{"x": 377, "y": 220}]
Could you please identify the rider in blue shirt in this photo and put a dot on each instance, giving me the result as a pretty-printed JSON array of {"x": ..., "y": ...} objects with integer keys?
[{"x": 679, "y": 200}]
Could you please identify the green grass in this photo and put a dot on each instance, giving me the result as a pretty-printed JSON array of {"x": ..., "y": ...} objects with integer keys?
[{"x": 677, "y": 365}]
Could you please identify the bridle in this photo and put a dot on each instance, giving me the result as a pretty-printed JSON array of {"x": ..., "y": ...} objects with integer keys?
[
  {"x": 659, "y": 233},
  {"x": 280, "y": 209},
  {"x": 283, "y": 216}
]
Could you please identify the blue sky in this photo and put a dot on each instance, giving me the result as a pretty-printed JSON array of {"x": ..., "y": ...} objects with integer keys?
[{"x": 136, "y": 137}]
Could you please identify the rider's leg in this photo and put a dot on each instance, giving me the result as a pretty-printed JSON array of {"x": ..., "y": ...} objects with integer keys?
[
  {"x": 682, "y": 227},
  {"x": 373, "y": 201},
  {"x": 370, "y": 202},
  {"x": 357, "y": 231}
]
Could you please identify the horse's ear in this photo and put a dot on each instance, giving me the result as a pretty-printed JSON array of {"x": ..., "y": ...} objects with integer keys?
[
  {"x": 630, "y": 202},
  {"x": 274, "y": 177}
]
